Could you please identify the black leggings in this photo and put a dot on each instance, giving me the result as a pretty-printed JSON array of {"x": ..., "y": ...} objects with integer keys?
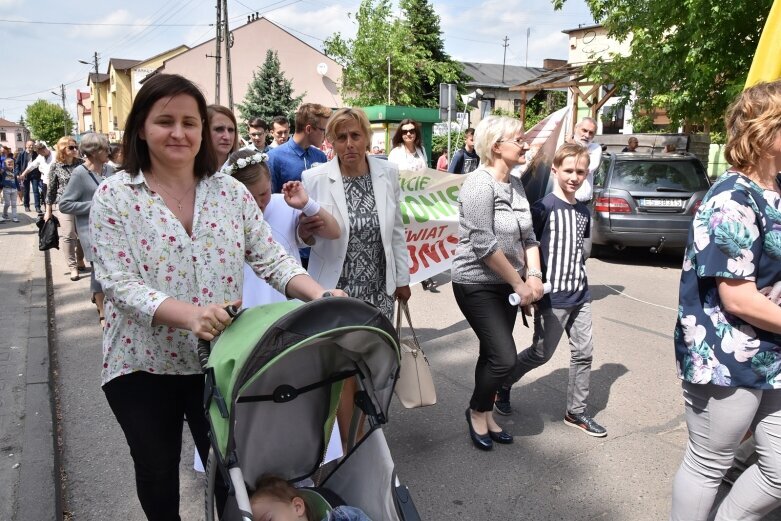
[
  {"x": 492, "y": 318},
  {"x": 151, "y": 410}
]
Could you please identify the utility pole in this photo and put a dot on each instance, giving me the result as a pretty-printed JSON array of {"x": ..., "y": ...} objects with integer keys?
[
  {"x": 228, "y": 37},
  {"x": 217, "y": 56},
  {"x": 528, "y": 32},
  {"x": 64, "y": 110},
  {"x": 504, "y": 58},
  {"x": 97, "y": 96}
]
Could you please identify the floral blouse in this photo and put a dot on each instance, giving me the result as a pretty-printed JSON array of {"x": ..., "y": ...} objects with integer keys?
[
  {"x": 736, "y": 234},
  {"x": 143, "y": 256}
]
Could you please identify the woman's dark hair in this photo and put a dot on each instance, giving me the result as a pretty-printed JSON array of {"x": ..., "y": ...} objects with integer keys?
[
  {"x": 397, "y": 140},
  {"x": 136, "y": 151}
]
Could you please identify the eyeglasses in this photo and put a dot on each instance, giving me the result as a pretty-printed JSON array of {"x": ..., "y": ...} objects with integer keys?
[
  {"x": 520, "y": 142},
  {"x": 72, "y": 148},
  {"x": 409, "y": 131}
]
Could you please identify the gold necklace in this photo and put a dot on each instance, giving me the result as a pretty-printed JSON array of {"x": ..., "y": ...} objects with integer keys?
[{"x": 178, "y": 200}]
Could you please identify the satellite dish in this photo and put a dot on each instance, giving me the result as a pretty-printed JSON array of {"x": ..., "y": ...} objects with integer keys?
[{"x": 322, "y": 69}]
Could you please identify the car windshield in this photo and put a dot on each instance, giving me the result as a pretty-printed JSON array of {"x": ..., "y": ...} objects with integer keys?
[{"x": 660, "y": 176}]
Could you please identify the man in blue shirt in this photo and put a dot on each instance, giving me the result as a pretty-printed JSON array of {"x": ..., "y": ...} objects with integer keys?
[{"x": 301, "y": 152}]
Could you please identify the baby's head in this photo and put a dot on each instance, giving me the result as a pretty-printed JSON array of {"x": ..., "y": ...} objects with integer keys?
[{"x": 277, "y": 500}]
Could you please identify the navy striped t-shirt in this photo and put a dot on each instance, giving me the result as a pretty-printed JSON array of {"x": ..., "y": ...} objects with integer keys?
[{"x": 560, "y": 228}]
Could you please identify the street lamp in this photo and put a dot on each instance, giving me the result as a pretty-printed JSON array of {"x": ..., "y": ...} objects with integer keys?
[{"x": 97, "y": 94}]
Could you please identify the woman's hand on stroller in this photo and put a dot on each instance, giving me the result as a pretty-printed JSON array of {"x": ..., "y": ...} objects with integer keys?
[
  {"x": 334, "y": 293},
  {"x": 209, "y": 321}
]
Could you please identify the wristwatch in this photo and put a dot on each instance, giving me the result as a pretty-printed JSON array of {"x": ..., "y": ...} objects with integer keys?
[
  {"x": 534, "y": 273},
  {"x": 326, "y": 294}
]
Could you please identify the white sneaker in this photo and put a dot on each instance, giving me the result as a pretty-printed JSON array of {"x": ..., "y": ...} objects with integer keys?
[
  {"x": 16, "y": 220},
  {"x": 3, "y": 219}
]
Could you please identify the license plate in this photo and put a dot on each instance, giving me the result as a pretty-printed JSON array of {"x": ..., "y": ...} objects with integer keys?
[{"x": 662, "y": 203}]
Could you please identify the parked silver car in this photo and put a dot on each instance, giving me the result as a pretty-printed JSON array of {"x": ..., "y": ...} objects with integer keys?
[{"x": 646, "y": 200}]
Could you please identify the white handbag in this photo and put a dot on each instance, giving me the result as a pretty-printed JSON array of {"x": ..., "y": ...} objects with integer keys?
[{"x": 415, "y": 386}]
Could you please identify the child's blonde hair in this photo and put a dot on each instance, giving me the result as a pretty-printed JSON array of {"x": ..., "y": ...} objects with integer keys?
[{"x": 569, "y": 150}]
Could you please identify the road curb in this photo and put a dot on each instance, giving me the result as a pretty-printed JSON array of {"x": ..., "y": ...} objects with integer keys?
[{"x": 40, "y": 494}]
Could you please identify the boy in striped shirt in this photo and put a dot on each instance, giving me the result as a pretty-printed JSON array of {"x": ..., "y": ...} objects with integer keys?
[{"x": 561, "y": 224}]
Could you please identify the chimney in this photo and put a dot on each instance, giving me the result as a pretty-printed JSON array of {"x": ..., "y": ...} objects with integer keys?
[{"x": 551, "y": 63}]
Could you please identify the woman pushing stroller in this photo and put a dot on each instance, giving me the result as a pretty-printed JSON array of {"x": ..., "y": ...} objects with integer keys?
[{"x": 170, "y": 238}]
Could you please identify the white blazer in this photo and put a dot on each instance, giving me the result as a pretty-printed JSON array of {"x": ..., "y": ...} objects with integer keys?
[{"x": 324, "y": 183}]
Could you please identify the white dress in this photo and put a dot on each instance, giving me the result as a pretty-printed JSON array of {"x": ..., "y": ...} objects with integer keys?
[{"x": 283, "y": 221}]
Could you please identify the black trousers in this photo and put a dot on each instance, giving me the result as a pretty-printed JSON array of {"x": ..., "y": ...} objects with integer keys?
[
  {"x": 492, "y": 318},
  {"x": 151, "y": 410}
]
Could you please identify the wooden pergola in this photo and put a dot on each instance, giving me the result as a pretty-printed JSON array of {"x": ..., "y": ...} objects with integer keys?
[{"x": 572, "y": 78}]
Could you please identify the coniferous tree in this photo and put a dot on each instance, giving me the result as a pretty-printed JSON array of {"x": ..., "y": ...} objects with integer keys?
[{"x": 269, "y": 94}]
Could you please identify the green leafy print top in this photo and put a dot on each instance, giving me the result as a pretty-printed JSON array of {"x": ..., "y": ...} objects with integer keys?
[{"x": 736, "y": 234}]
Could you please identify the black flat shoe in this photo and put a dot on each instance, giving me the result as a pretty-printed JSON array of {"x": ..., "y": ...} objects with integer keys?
[
  {"x": 501, "y": 437},
  {"x": 482, "y": 442}
]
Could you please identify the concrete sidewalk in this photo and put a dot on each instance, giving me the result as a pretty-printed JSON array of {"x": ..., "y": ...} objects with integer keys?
[{"x": 29, "y": 484}]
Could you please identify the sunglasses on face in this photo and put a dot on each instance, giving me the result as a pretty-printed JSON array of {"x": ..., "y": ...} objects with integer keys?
[
  {"x": 409, "y": 131},
  {"x": 72, "y": 148}
]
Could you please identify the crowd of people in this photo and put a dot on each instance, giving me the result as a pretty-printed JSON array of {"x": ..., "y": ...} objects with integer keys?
[{"x": 184, "y": 218}]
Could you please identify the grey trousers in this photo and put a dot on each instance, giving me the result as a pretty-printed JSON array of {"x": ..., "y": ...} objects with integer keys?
[
  {"x": 717, "y": 419},
  {"x": 69, "y": 240},
  {"x": 549, "y": 326}
]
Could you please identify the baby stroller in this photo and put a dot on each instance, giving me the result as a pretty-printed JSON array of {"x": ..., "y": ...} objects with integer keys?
[{"x": 273, "y": 383}]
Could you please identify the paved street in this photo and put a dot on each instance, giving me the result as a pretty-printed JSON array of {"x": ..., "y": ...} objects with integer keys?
[{"x": 551, "y": 472}]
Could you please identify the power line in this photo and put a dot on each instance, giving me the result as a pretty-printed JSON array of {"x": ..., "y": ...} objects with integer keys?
[
  {"x": 100, "y": 24},
  {"x": 39, "y": 91}
]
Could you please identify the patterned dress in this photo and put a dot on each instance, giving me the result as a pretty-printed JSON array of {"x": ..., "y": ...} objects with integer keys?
[
  {"x": 363, "y": 272},
  {"x": 736, "y": 234}
]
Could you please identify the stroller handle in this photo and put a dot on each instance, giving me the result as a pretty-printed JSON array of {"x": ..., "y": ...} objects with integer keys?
[{"x": 204, "y": 346}]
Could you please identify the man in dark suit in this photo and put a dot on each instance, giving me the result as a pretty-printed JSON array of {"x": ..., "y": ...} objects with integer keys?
[{"x": 33, "y": 180}]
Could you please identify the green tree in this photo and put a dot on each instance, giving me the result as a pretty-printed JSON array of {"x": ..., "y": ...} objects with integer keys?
[
  {"x": 417, "y": 59},
  {"x": 269, "y": 94},
  {"x": 47, "y": 121},
  {"x": 436, "y": 66},
  {"x": 365, "y": 59},
  {"x": 692, "y": 56}
]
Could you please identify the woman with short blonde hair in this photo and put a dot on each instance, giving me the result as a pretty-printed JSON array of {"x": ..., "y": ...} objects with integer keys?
[
  {"x": 66, "y": 159},
  {"x": 497, "y": 255},
  {"x": 727, "y": 336}
]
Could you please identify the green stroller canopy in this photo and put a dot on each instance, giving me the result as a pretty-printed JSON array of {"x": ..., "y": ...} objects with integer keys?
[{"x": 279, "y": 370}]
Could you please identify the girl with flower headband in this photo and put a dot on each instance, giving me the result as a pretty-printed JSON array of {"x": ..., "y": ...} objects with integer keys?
[{"x": 282, "y": 212}]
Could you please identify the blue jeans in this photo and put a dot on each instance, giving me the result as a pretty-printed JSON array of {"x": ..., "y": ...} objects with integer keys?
[
  {"x": 35, "y": 185},
  {"x": 346, "y": 514}
]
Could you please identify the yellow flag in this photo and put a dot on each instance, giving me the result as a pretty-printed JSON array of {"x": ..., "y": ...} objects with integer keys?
[{"x": 767, "y": 60}]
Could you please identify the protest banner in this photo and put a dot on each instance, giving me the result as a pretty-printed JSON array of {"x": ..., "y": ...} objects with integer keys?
[{"x": 429, "y": 204}]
